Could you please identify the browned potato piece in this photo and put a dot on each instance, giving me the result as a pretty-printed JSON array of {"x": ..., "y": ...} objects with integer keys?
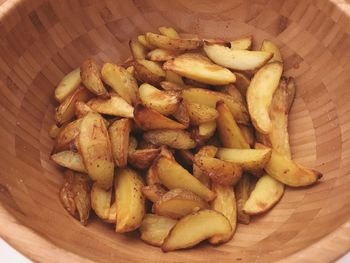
[
  {"x": 132, "y": 144},
  {"x": 154, "y": 229},
  {"x": 220, "y": 172},
  {"x": 149, "y": 119},
  {"x": 114, "y": 106},
  {"x": 209, "y": 151},
  {"x": 177, "y": 44},
  {"x": 269, "y": 46},
  {"x": 248, "y": 134},
  {"x": 185, "y": 156},
  {"x": 242, "y": 43},
  {"x": 172, "y": 77},
  {"x": 149, "y": 71},
  {"x": 196, "y": 227},
  {"x": 225, "y": 203},
  {"x": 54, "y": 131},
  {"x": 206, "y": 131},
  {"x": 74, "y": 195},
  {"x": 169, "y": 32},
  {"x": 67, "y": 85},
  {"x": 65, "y": 112},
  {"x": 152, "y": 176},
  {"x": 129, "y": 199},
  {"x": 267, "y": 192},
  {"x": 198, "y": 67},
  {"x": 137, "y": 49},
  {"x": 210, "y": 98},
  {"x": 153, "y": 192},
  {"x": 161, "y": 55},
  {"x": 65, "y": 139},
  {"x": 95, "y": 148},
  {"x": 119, "y": 133},
  {"x": 161, "y": 101},
  {"x": 101, "y": 201},
  {"x": 178, "y": 203},
  {"x": 173, "y": 86},
  {"x": 142, "y": 159},
  {"x": 173, "y": 175},
  {"x": 121, "y": 81},
  {"x": 200, "y": 113},
  {"x": 142, "y": 39},
  {"x": 177, "y": 139},
  {"x": 242, "y": 83},
  {"x": 81, "y": 109},
  {"x": 70, "y": 160},
  {"x": 242, "y": 191},
  {"x": 182, "y": 115},
  {"x": 229, "y": 132},
  {"x": 91, "y": 78}
]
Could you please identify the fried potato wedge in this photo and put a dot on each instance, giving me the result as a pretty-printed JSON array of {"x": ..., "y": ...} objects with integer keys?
[
  {"x": 236, "y": 59},
  {"x": 130, "y": 200},
  {"x": 248, "y": 159},
  {"x": 67, "y": 85},
  {"x": 200, "y": 113},
  {"x": 178, "y": 203},
  {"x": 65, "y": 111},
  {"x": 177, "y": 44},
  {"x": 142, "y": 39},
  {"x": 65, "y": 140},
  {"x": 260, "y": 93},
  {"x": 70, "y": 160},
  {"x": 200, "y": 68},
  {"x": 242, "y": 192},
  {"x": 81, "y": 109},
  {"x": 95, "y": 148},
  {"x": 101, "y": 201},
  {"x": 149, "y": 71},
  {"x": 289, "y": 172},
  {"x": 172, "y": 175},
  {"x": 138, "y": 50},
  {"x": 229, "y": 132},
  {"x": 112, "y": 216},
  {"x": 208, "y": 151},
  {"x": 132, "y": 144},
  {"x": 242, "y": 83},
  {"x": 161, "y": 55},
  {"x": 172, "y": 86},
  {"x": 153, "y": 192},
  {"x": 220, "y": 172},
  {"x": 119, "y": 133},
  {"x": 205, "y": 131},
  {"x": 91, "y": 78},
  {"x": 54, "y": 131},
  {"x": 154, "y": 229},
  {"x": 171, "y": 76},
  {"x": 115, "y": 106},
  {"x": 210, "y": 98},
  {"x": 142, "y": 159},
  {"x": 177, "y": 139},
  {"x": 271, "y": 47},
  {"x": 161, "y": 101},
  {"x": 225, "y": 203},
  {"x": 74, "y": 195},
  {"x": 196, "y": 227},
  {"x": 149, "y": 119},
  {"x": 267, "y": 192},
  {"x": 248, "y": 134},
  {"x": 182, "y": 115},
  {"x": 121, "y": 81},
  {"x": 242, "y": 43},
  {"x": 169, "y": 32}
]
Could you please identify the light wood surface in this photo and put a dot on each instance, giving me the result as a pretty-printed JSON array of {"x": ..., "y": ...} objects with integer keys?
[{"x": 43, "y": 40}]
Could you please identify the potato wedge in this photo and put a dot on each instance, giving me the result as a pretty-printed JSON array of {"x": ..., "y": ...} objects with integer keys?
[
  {"x": 119, "y": 133},
  {"x": 115, "y": 106},
  {"x": 65, "y": 112},
  {"x": 242, "y": 43},
  {"x": 205, "y": 131},
  {"x": 161, "y": 101},
  {"x": 54, "y": 131},
  {"x": 172, "y": 86},
  {"x": 177, "y": 139},
  {"x": 101, "y": 201},
  {"x": 242, "y": 192},
  {"x": 132, "y": 144},
  {"x": 138, "y": 50},
  {"x": 121, "y": 81},
  {"x": 229, "y": 132},
  {"x": 169, "y": 32},
  {"x": 225, "y": 203},
  {"x": 112, "y": 216},
  {"x": 248, "y": 134},
  {"x": 81, "y": 109},
  {"x": 74, "y": 195},
  {"x": 154, "y": 229},
  {"x": 161, "y": 55},
  {"x": 142, "y": 39},
  {"x": 242, "y": 83},
  {"x": 178, "y": 203},
  {"x": 199, "y": 68},
  {"x": 194, "y": 228},
  {"x": 236, "y": 59},
  {"x": 153, "y": 192},
  {"x": 260, "y": 93},
  {"x": 235, "y": 93},
  {"x": 208, "y": 151},
  {"x": 248, "y": 159},
  {"x": 177, "y": 44},
  {"x": 67, "y": 85},
  {"x": 267, "y": 192},
  {"x": 95, "y": 148},
  {"x": 220, "y": 172},
  {"x": 65, "y": 140},
  {"x": 171, "y": 76},
  {"x": 149, "y": 119},
  {"x": 129, "y": 199},
  {"x": 182, "y": 115},
  {"x": 200, "y": 113},
  {"x": 287, "y": 171},
  {"x": 70, "y": 160},
  {"x": 173, "y": 175},
  {"x": 210, "y": 98},
  {"x": 149, "y": 71},
  {"x": 269, "y": 46},
  {"x": 91, "y": 78},
  {"x": 142, "y": 159}
]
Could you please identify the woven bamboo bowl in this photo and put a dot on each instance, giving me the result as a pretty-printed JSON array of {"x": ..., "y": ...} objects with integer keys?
[{"x": 43, "y": 40}]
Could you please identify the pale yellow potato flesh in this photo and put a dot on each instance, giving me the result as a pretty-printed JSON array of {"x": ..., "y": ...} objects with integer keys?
[
  {"x": 167, "y": 42},
  {"x": 242, "y": 83},
  {"x": 149, "y": 71},
  {"x": 242, "y": 43},
  {"x": 101, "y": 201},
  {"x": 200, "y": 113},
  {"x": 137, "y": 49},
  {"x": 168, "y": 31},
  {"x": 67, "y": 85},
  {"x": 269, "y": 46},
  {"x": 70, "y": 160},
  {"x": 242, "y": 192},
  {"x": 209, "y": 151},
  {"x": 153, "y": 192},
  {"x": 142, "y": 39},
  {"x": 206, "y": 130},
  {"x": 173, "y": 77},
  {"x": 115, "y": 106},
  {"x": 177, "y": 139},
  {"x": 119, "y": 133},
  {"x": 160, "y": 55}
]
